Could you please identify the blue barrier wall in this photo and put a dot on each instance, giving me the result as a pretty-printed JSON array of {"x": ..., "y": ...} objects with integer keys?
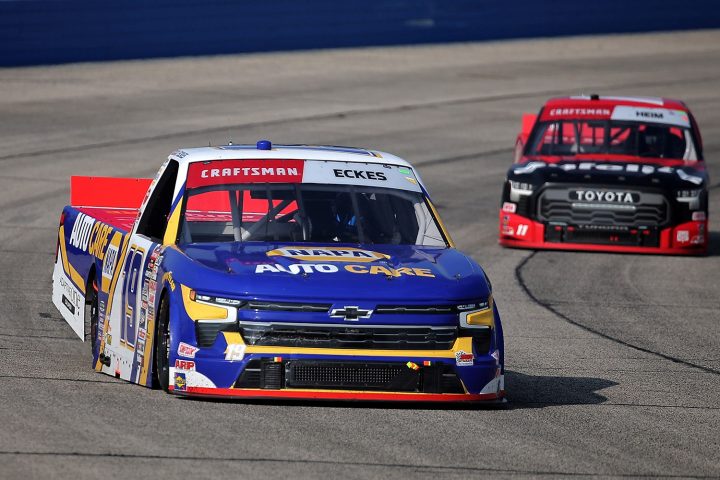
[{"x": 46, "y": 31}]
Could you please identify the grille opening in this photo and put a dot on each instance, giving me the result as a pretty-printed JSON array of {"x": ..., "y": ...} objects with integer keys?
[
  {"x": 373, "y": 376},
  {"x": 368, "y": 337},
  {"x": 207, "y": 332},
  {"x": 286, "y": 306},
  {"x": 555, "y": 205}
]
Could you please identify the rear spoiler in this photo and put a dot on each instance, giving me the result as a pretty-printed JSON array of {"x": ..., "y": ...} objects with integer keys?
[{"x": 108, "y": 192}]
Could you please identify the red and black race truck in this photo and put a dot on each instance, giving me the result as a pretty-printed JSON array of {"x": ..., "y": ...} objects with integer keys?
[{"x": 603, "y": 173}]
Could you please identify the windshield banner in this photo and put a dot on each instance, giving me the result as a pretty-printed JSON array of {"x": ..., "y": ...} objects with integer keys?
[{"x": 223, "y": 172}]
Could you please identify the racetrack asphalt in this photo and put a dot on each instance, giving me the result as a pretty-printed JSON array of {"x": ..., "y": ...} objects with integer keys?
[{"x": 613, "y": 361}]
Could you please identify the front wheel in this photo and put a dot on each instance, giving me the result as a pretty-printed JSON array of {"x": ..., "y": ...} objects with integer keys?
[{"x": 162, "y": 345}]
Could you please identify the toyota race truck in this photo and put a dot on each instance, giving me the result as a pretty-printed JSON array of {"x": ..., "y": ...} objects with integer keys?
[
  {"x": 268, "y": 271},
  {"x": 614, "y": 174}
]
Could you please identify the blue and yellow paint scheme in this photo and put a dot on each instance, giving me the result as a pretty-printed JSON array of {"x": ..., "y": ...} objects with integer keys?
[{"x": 217, "y": 287}]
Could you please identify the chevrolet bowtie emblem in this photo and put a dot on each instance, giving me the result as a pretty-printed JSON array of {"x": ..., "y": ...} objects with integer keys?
[{"x": 351, "y": 314}]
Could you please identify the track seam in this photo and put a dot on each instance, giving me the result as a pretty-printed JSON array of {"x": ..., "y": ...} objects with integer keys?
[
  {"x": 342, "y": 114},
  {"x": 551, "y": 309},
  {"x": 352, "y": 464}
]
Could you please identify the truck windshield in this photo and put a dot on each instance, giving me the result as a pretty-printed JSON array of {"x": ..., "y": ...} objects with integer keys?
[
  {"x": 308, "y": 213},
  {"x": 578, "y": 137}
]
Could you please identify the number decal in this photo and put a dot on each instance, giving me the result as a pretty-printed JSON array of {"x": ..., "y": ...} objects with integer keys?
[
  {"x": 132, "y": 273},
  {"x": 522, "y": 230}
]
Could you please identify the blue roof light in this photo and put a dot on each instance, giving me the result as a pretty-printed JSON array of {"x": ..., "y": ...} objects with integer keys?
[{"x": 264, "y": 145}]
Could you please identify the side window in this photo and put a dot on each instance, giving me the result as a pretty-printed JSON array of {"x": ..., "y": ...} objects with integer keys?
[{"x": 155, "y": 217}]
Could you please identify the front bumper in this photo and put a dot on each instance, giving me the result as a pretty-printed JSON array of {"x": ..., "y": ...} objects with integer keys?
[
  {"x": 517, "y": 231},
  {"x": 336, "y": 374}
]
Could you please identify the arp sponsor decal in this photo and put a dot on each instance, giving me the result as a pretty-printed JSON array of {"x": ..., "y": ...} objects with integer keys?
[
  {"x": 187, "y": 351},
  {"x": 235, "y": 352},
  {"x": 220, "y": 172},
  {"x": 607, "y": 196},
  {"x": 464, "y": 359},
  {"x": 307, "y": 268},
  {"x": 359, "y": 174},
  {"x": 509, "y": 207},
  {"x": 180, "y": 382},
  {"x": 187, "y": 365},
  {"x": 324, "y": 254}
]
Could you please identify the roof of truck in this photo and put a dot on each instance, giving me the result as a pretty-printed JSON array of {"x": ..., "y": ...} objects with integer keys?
[{"x": 298, "y": 152}]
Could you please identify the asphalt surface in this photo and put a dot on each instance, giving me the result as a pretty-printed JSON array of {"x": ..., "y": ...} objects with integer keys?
[{"x": 613, "y": 361}]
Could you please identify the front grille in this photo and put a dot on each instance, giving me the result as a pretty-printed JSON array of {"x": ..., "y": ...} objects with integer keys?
[
  {"x": 303, "y": 374},
  {"x": 352, "y": 375},
  {"x": 342, "y": 336},
  {"x": 416, "y": 309},
  {"x": 286, "y": 306},
  {"x": 555, "y": 206}
]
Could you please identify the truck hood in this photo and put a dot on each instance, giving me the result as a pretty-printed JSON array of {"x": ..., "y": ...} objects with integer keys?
[{"x": 321, "y": 272}]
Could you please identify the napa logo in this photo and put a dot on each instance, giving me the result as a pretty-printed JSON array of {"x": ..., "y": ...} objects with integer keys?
[{"x": 324, "y": 254}]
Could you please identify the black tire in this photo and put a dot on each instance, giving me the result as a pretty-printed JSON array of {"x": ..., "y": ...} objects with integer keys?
[
  {"x": 92, "y": 316},
  {"x": 161, "y": 352}
]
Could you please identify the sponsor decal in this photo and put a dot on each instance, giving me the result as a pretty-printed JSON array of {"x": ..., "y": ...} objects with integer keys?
[
  {"x": 699, "y": 216},
  {"x": 90, "y": 235},
  {"x": 509, "y": 207},
  {"x": 235, "y": 352},
  {"x": 413, "y": 366},
  {"x": 306, "y": 268},
  {"x": 244, "y": 171},
  {"x": 324, "y": 254},
  {"x": 187, "y": 351},
  {"x": 168, "y": 276},
  {"x": 180, "y": 382},
  {"x": 296, "y": 268},
  {"x": 604, "y": 196},
  {"x": 464, "y": 359},
  {"x": 68, "y": 304},
  {"x": 111, "y": 257},
  {"x": 188, "y": 365},
  {"x": 607, "y": 167},
  {"x": 579, "y": 112},
  {"x": 360, "y": 174},
  {"x": 683, "y": 236},
  {"x": 80, "y": 234},
  {"x": 72, "y": 299},
  {"x": 651, "y": 115}
]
